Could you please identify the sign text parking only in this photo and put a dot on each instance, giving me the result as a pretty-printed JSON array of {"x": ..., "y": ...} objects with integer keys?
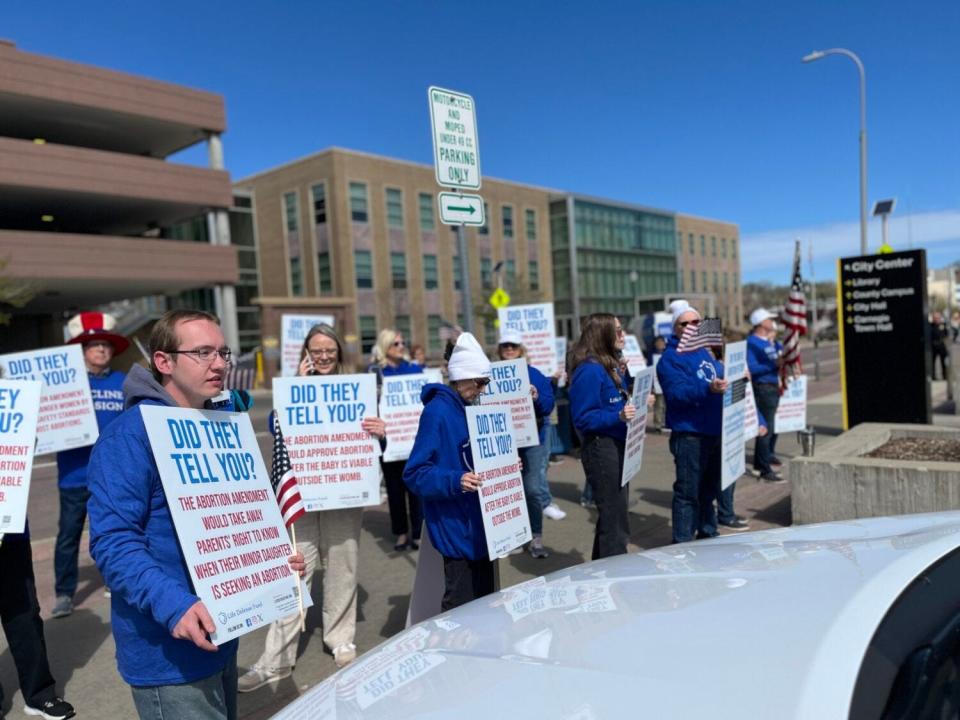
[{"x": 456, "y": 152}]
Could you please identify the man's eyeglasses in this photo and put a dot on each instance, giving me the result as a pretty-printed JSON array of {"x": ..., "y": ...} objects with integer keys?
[
  {"x": 323, "y": 352},
  {"x": 205, "y": 354}
]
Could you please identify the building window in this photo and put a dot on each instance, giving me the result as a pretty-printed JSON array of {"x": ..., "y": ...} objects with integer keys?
[
  {"x": 489, "y": 332},
  {"x": 403, "y": 327},
  {"x": 319, "y": 193},
  {"x": 358, "y": 202},
  {"x": 507, "y": 215},
  {"x": 325, "y": 273},
  {"x": 292, "y": 223},
  {"x": 703, "y": 246},
  {"x": 690, "y": 241},
  {"x": 431, "y": 278},
  {"x": 485, "y": 228},
  {"x": 706, "y": 284},
  {"x": 394, "y": 208},
  {"x": 398, "y": 270},
  {"x": 368, "y": 333},
  {"x": 427, "y": 221},
  {"x": 363, "y": 262},
  {"x": 433, "y": 333},
  {"x": 716, "y": 282},
  {"x": 713, "y": 245},
  {"x": 531, "y": 222},
  {"x": 511, "y": 273},
  {"x": 733, "y": 248},
  {"x": 534, "y": 275},
  {"x": 486, "y": 273},
  {"x": 693, "y": 281},
  {"x": 457, "y": 273},
  {"x": 723, "y": 247},
  {"x": 726, "y": 282}
]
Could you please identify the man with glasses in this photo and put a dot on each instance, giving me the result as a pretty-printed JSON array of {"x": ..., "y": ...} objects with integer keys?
[
  {"x": 161, "y": 628},
  {"x": 94, "y": 331}
]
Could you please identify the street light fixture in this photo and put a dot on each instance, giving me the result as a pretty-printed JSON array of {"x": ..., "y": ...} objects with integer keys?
[{"x": 816, "y": 55}]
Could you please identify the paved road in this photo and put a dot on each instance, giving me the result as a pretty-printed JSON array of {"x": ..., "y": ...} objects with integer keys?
[{"x": 81, "y": 647}]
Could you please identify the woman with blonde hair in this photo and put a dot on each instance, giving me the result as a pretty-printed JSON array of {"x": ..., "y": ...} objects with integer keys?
[
  {"x": 330, "y": 536},
  {"x": 390, "y": 358}
]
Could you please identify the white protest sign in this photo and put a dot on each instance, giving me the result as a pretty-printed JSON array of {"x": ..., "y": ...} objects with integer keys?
[
  {"x": 792, "y": 411},
  {"x": 656, "y": 380},
  {"x": 333, "y": 457},
  {"x": 751, "y": 421},
  {"x": 536, "y": 327},
  {"x": 733, "y": 460},
  {"x": 633, "y": 354},
  {"x": 226, "y": 516},
  {"x": 510, "y": 386},
  {"x": 400, "y": 409},
  {"x": 562, "y": 359},
  {"x": 293, "y": 331},
  {"x": 67, "y": 418},
  {"x": 502, "y": 501},
  {"x": 19, "y": 407},
  {"x": 637, "y": 427}
]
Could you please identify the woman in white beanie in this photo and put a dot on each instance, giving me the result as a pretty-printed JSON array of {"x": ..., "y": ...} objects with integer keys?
[{"x": 440, "y": 472}]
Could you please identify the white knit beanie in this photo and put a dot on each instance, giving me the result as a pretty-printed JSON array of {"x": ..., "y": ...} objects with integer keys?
[
  {"x": 468, "y": 360},
  {"x": 679, "y": 307}
]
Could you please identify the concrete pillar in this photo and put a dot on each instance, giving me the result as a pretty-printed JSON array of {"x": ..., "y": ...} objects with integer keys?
[{"x": 218, "y": 223}]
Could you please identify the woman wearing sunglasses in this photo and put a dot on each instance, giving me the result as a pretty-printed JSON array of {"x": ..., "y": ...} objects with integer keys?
[
  {"x": 600, "y": 412},
  {"x": 440, "y": 472},
  {"x": 390, "y": 358}
]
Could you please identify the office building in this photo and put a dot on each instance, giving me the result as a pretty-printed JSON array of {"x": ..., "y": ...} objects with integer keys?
[{"x": 708, "y": 253}]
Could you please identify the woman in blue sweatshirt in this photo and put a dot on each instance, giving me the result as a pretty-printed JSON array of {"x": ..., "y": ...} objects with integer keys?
[
  {"x": 440, "y": 472},
  {"x": 598, "y": 395}
]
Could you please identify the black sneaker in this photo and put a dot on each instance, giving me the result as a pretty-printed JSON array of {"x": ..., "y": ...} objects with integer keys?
[
  {"x": 772, "y": 477},
  {"x": 56, "y": 709},
  {"x": 776, "y": 461},
  {"x": 737, "y": 525}
]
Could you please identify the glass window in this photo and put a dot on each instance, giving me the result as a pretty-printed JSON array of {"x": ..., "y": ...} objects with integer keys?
[
  {"x": 703, "y": 246},
  {"x": 363, "y": 261},
  {"x": 489, "y": 332},
  {"x": 726, "y": 282},
  {"x": 358, "y": 202},
  {"x": 431, "y": 277},
  {"x": 290, "y": 211},
  {"x": 398, "y": 270},
  {"x": 693, "y": 281},
  {"x": 723, "y": 247},
  {"x": 733, "y": 248},
  {"x": 713, "y": 245},
  {"x": 531, "y": 222},
  {"x": 485, "y": 228},
  {"x": 368, "y": 333},
  {"x": 486, "y": 273},
  {"x": 457, "y": 273},
  {"x": 394, "y": 208},
  {"x": 434, "y": 343},
  {"x": 690, "y": 240},
  {"x": 706, "y": 286},
  {"x": 427, "y": 221},
  {"x": 402, "y": 325},
  {"x": 325, "y": 273},
  {"x": 716, "y": 282},
  {"x": 511, "y": 273},
  {"x": 319, "y": 193},
  {"x": 507, "y": 214},
  {"x": 534, "y": 275},
  {"x": 294, "y": 261}
]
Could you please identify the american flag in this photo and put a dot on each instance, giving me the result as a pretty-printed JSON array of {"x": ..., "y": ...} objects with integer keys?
[
  {"x": 795, "y": 320},
  {"x": 284, "y": 483},
  {"x": 707, "y": 333}
]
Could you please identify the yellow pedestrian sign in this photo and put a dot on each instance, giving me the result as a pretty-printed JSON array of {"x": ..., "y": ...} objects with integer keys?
[{"x": 499, "y": 298}]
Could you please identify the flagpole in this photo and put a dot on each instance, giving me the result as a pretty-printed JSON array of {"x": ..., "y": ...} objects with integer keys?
[{"x": 293, "y": 538}]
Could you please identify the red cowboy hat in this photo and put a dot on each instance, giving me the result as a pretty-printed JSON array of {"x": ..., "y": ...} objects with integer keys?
[{"x": 89, "y": 326}]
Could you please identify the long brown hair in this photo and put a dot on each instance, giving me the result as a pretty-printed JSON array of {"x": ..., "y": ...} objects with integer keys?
[
  {"x": 598, "y": 341},
  {"x": 327, "y": 331}
]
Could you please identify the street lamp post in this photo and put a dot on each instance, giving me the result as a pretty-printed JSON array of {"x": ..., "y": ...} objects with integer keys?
[
  {"x": 816, "y": 55},
  {"x": 634, "y": 279}
]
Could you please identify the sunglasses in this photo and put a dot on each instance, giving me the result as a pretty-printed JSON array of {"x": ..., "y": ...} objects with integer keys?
[
  {"x": 398, "y": 343},
  {"x": 509, "y": 346},
  {"x": 481, "y": 382},
  {"x": 689, "y": 322}
]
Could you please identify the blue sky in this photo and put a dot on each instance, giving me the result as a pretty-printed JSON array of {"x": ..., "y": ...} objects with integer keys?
[{"x": 699, "y": 107}]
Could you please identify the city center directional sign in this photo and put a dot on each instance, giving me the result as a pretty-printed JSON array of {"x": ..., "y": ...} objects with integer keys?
[
  {"x": 456, "y": 153},
  {"x": 457, "y": 209}
]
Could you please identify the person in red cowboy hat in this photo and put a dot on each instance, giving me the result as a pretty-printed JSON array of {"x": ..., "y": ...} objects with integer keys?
[{"x": 94, "y": 330}]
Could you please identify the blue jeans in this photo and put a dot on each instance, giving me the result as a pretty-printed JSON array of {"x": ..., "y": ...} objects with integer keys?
[
  {"x": 697, "y": 458},
  {"x": 212, "y": 698},
  {"x": 534, "y": 473},
  {"x": 767, "y": 396},
  {"x": 73, "y": 514},
  {"x": 725, "y": 513}
]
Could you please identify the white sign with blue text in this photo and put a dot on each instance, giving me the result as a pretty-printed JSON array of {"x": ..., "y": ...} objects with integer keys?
[
  {"x": 67, "y": 418},
  {"x": 510, "y": 387},
  {"x": 333, "y": 457},
  {"x": 637, "y": 427},
  {"x": 733, "y": 459},
  {"x": 633, "y": 355},
  {"x": 293, "y": 331},
  {"x": 226, "y": 516},
  {"x": 19, "y": 407},
  {"x": 536, "y": 327},
  {"x": 503, "y": 504},
  {"x": 400, "y": 410}
]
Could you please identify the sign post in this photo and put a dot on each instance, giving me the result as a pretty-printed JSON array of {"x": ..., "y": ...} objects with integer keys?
[
  {"x": 456, "y": 161},
  {"x": 884, "y": 345}
]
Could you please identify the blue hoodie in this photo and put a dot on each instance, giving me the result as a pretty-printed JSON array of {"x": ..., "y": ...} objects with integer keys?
[
  {"x": 762, "y": 360},
  {"x": 543, "y": 405},
  {"x": 440, "y": 456},
  {"x": 685, "y": 379},
  {"x": 133, "y": 542},
  {"x": 107, "y": 392},
  {"x": 596, "y": 401}
]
